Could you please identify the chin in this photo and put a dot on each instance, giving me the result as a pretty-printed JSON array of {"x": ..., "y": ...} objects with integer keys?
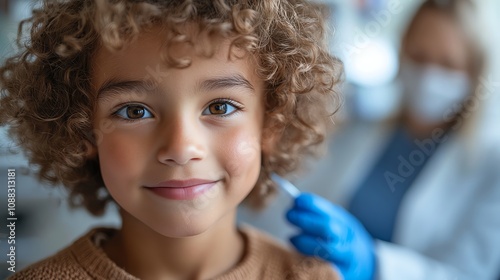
[
  {"x": 190, "y": 231},
  {"x": 182, "y": 229}
]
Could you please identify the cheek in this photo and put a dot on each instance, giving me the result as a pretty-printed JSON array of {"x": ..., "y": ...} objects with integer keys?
[
  {"x": 241, "y": 154},
  {"x": 119, "y": 161}
]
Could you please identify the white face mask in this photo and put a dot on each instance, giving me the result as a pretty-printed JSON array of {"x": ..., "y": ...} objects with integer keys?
[{"x": 431, "y": 92}]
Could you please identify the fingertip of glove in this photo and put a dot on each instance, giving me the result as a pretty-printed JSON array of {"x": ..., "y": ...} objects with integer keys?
[
  {"x": 294, "y": 240},
  {"x": 291, "y": 216},
  {"x": 304, "y": 200}
]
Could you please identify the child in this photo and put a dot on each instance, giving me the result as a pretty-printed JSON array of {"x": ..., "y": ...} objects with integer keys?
[{"x": 179, "y": 110}]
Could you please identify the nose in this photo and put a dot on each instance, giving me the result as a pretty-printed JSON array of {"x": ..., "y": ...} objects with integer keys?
[{"x": 181, "y": 142}]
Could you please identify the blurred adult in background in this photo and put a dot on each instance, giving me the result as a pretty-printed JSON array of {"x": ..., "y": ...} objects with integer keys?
[{"x": 422, "y": 191}]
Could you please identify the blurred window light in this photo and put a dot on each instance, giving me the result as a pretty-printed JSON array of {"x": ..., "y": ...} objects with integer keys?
[{"x": 374, "y": 65}]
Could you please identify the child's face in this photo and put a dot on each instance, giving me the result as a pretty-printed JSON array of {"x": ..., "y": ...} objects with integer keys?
[{"x": 202, "y": 122}]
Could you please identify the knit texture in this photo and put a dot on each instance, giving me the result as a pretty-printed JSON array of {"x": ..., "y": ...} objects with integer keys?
[{"x": 263, "y": 258}]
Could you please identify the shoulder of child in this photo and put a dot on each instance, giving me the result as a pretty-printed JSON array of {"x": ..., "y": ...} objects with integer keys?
[
  {"x": 76, "y": 261},
  {"x": 279, "y": 262},
  {"x": 62, "y": 265}
]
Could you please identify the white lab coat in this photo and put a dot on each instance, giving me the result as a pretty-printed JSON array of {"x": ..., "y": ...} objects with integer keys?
[{"x": 448, "y": 225}]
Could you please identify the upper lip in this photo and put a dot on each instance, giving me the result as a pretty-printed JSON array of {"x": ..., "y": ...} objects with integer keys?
[{"x": 182, "y": 183}]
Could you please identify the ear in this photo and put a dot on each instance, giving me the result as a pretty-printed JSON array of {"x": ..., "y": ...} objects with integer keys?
[{"x": 90, "y": 150}]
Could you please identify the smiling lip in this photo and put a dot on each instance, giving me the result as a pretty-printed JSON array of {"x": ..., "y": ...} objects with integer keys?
[{"x": 182, "y": 189}]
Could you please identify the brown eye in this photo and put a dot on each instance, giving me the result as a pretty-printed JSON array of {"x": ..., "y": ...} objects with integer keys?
[
  {"x": 221, "y": 108},
  {"x": 133, "y": 112},
  {"x": 218, "y": 108}
]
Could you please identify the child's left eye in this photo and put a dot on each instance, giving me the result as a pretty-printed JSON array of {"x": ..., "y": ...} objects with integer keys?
[
  {"x": 133, "y": 112},
  {"x": 221, "y": 107}
]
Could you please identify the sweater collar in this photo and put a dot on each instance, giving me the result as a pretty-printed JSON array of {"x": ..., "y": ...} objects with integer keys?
[{"x": 98, "y": 265}]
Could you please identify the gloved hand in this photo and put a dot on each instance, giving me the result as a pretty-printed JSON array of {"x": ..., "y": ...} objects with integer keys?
[{"x": 334, "y": 235}]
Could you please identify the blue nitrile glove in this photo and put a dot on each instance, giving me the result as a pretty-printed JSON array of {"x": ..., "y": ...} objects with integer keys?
[{"x": 333, "y": 234}]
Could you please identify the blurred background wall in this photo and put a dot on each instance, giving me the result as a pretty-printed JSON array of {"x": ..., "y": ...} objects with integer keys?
[{"x": 365, "y": 34}]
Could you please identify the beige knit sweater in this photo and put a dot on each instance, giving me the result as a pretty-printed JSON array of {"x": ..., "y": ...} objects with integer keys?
[{"x": 263, "y": 259}]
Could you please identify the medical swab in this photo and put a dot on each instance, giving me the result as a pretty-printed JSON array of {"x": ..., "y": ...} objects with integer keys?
[{"x": 285, "y": 185}]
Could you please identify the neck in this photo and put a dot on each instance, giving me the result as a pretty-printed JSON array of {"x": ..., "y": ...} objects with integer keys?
[{"x": 147, "y": 254}]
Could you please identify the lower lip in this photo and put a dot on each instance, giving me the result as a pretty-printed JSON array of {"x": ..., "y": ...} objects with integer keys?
[{"x": 187, "y": 193}]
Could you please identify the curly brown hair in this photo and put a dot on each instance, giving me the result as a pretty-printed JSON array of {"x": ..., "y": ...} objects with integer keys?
[{"x": 47, "y": 102}]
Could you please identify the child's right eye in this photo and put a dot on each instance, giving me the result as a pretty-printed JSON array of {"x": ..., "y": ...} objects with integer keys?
[{"x": 133, "y": 112}]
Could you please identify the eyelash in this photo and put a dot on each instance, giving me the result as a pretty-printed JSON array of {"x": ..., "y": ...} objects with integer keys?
[{"x": 238, "y": 107}]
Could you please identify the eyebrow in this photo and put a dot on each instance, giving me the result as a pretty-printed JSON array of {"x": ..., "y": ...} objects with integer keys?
[
  {"x": 232, "y": 81},
  {"x": 115, "y": 86}
]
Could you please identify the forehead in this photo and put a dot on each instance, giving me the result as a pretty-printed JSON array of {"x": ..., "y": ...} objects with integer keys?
[
  {"x": 142, "y": 60},
  {"x": 437, "y": 36}
]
